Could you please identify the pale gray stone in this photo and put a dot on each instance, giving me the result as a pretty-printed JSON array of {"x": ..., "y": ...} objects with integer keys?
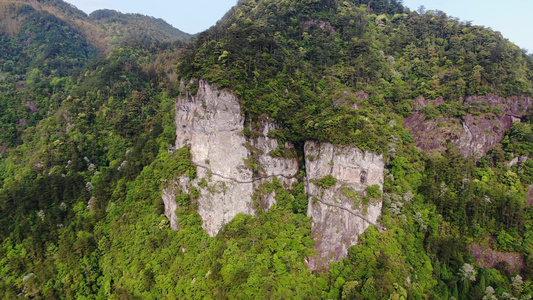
[{"x": 336, "y": 220}]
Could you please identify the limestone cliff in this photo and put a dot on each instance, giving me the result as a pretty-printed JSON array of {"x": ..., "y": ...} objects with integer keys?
[
  {"x": 232, "y": 171},
  {"x": 340, "y": 210},
  {"x": 211, "y": 125},
  {"x": 474, "y": 134},
  {"x": 169, "y": 200}
]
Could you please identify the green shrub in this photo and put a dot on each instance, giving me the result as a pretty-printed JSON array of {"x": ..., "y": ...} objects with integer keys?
[
  {"x": 326, "y": 182},
  {"x": 373, "y": 191}
]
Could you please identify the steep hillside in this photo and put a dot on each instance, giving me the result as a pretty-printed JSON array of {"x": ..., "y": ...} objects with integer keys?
[
  {"x": 316, "y": 149},
  {"x": 37, "y": 57},
  {"x": 43, "y": 43},
  {"x": 68, "y": 14},
  {"x": 353, "y": 73},
  {"x": 304, "y": 64},
  {"x": 60, "y": 179}
]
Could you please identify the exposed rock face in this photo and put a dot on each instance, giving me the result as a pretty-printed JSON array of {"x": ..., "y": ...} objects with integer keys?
[
  {"x": 285, "y": 169},
  {"x": 338, "y": 213},
  {"x": 474, "y": 135},
  {"x": 530, "y": 195},
  {"x": 517, "y": 160},
  {"x": 324, "y": 25},
  {"x": 169, "y": 200},
  {"x": 488, "y": 258},
  {"x": 212, "y": 126},
  {"x": 232, "y": 172}
]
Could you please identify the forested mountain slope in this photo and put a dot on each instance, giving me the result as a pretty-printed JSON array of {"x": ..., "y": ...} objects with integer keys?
[
  {"x": 323, "y": 52},
  {"x": 43, "y": 43},
  {"x": 88, "y": 155}
]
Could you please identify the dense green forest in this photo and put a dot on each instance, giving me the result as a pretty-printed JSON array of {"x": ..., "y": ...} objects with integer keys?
[
  {"x": 84, "y": 134},
  {"x": 48, "y": 46}
]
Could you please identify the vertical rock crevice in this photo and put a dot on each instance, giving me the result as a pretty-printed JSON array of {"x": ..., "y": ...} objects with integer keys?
[{"x": 285, "y": 169}]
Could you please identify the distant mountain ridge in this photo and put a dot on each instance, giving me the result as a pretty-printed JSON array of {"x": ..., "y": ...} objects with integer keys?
[
  {"x": 123, "y": 27},
  {"x": 103, "y": 29}
]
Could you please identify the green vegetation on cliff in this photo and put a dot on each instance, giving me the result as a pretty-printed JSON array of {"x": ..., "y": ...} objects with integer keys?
[
  {"x": 84, "y": 159},
  {"x": 335, "y": 70}
]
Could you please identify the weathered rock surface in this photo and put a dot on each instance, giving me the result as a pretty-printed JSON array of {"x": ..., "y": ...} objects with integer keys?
[
  {"x": 474, "y": 135},
  {"x": 517, "y": 160},
  {"x": 232, "y": 173},
  {"x": 285, "y": 169},
  {"x": 169, "y": 200},
  {"x": 338, "y": 213},
  {"x": 529, "y": 201},
  {"x": 211, "y": 125},
  {"x": 488, "y": 258}
]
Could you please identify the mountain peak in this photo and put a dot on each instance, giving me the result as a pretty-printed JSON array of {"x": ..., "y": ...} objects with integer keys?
[{"x": 299, "y": 61}]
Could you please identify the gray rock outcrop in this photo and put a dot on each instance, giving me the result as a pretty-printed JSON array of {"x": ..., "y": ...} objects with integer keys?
[
  {"x": 283, "y": 168},
  {"x": 339, "y": 213},
  {"x": 232, "y": 172},
  {"x": 169, "y": 199},
  {"x": 211, "y": 125}
]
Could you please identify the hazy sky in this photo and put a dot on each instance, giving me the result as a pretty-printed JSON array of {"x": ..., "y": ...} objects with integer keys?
[{"x": 510, "y": 17}]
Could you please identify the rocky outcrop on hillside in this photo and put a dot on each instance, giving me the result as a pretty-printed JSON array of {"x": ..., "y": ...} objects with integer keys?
[
  {"x": 211, "y": 124},
  {"x": 230, "y": 168},
  {"x": 169, "y": 199},
  {"x": 232, "y": 172},
  {"x": 339, "y": 207},
  {"x": 473, "y": 134}
]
